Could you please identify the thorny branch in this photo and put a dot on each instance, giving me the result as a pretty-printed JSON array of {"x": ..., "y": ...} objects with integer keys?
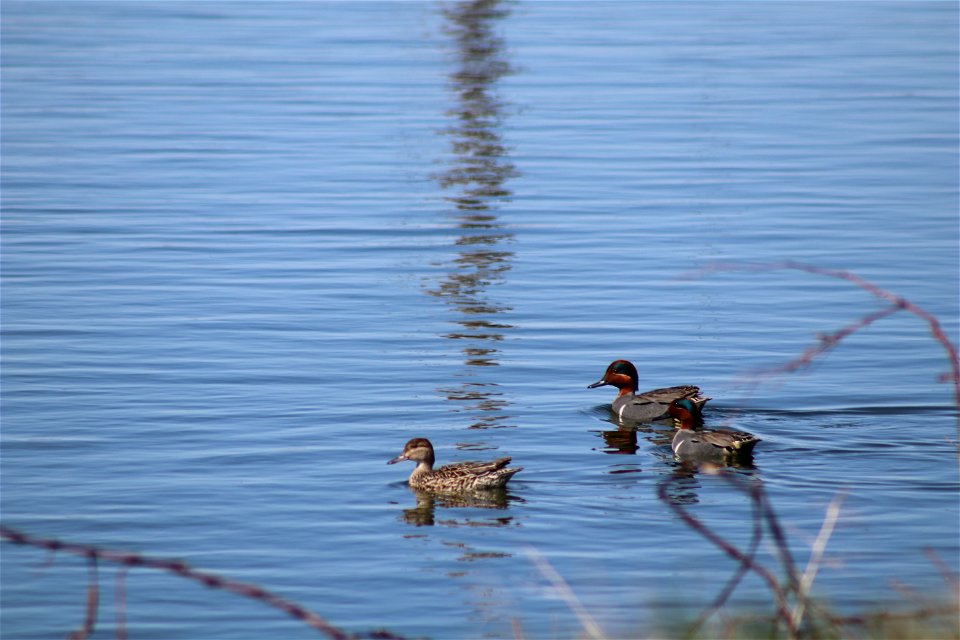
[
  {"x": 828, "y": 341},
  {"x": 741, "y": 571},
  {"x": 762, "y": 513},
  {"x": 127, "y": 560},
  {"x": 745, "y": 560}
]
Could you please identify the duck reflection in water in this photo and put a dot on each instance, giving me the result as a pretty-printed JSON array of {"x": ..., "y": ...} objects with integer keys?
[
  {"x": 623, "y": 440},
  {"x": 683, "y": 485},
  {"x": 427, "y": 502}
]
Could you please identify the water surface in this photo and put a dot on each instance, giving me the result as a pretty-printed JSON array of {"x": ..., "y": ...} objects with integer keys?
[{"x": 249, "y": 249}]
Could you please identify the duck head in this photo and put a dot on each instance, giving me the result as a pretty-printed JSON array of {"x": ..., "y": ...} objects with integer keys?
[
  {"x": 419, "y": 450},
  {"x": 685, "y": 412},
  {"x": 620, "y": 374}
]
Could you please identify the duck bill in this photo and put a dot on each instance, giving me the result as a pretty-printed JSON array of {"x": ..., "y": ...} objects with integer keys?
[
  {"x": 598, "y": 383},
  {"x": 399, "y": 458}
]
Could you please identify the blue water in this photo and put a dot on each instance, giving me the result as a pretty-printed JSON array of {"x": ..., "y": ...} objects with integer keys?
[{"x": 249, "y": 249}]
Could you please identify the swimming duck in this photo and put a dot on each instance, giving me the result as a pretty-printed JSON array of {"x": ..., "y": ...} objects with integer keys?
[
  {"x": 460, "y": 476},
  {"x": 646, "y": 406},
  {"x": 706, "y": 444}
]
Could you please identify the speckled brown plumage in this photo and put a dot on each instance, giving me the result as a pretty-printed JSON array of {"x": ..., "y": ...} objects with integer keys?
[{"x": 460, "y": 476}]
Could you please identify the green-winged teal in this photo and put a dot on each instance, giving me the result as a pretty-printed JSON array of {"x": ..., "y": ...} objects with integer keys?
[
  {"x": 646, "y": 406},
  {"x": 460, "y": 476},
  {"x": 706, "y": 444}
]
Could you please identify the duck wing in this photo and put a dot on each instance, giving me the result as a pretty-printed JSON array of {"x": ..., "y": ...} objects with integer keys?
[
  {"x": 471, "y": 476},
  {"x": 667, "y": 395},
  {"x": 471, "y": 468},
  {"x": 730, "y": 440}
]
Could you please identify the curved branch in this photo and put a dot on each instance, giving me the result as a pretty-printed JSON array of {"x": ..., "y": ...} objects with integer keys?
[
  {"x": 827, "y": 342},
  {"x": 180, "y": 568},
  {"x": 783, "y": 611}
]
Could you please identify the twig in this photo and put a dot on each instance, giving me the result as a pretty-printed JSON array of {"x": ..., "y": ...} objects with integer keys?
[
  {"x": 896, "y": 302},
  {"x": 121, "y": 603},
  {"x": 728, "y": 589},
  {"x": 919, "y": 614},
  {"x": 93, "y": 598},
  {"x": 783, "y": 612},
  {"x": 949, "y": 575},
  {"x": 517, "y": 628},
  {"x": 783, "y": 548},
  {"x": 816, "y": 555},
  {"x": 586, "y": 620},
  {"x": 180, "y": 568},
  {"x": 763, "y": 512},
  {"x": 825, "y": 343}
]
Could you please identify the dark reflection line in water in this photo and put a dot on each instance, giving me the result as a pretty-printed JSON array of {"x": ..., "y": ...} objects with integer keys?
[{"x": 475, "y": 183}]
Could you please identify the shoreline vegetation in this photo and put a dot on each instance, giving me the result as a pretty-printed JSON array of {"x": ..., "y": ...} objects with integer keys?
[{"x": 796, "y": 612}]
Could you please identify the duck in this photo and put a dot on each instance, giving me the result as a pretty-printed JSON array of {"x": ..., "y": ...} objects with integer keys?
[
  {"x": 706, "y": 444},
  {"x": 457, "y": 477},
  {"x": 646, "y": 406}
]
